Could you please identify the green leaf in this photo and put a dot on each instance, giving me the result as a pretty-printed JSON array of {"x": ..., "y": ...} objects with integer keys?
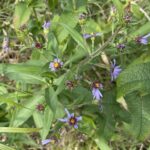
[
  {"x": 51, "y": 98},
  {"x": 18, "y": 130},
  {"x": 38, "y": 120},
  {"x": 77, "y": 56},
  {"x": 23, "y": 72},
  {"x": 21, "y": 15},
  {"x": 135, "y": 77},
  {"x": 43, "y": 121},
  {"x": 76, "y": 36},
  {"x": 48, "y": 118},
  {"x": 52, "y": 4},
  {"x": 142, "y": 30},
  {"x": 51, "y": 95},
  {"x": 102, "y": 143},
  {"x": 138, "y": 106},
  {"x": 4, "y": 147},
  {"x": 66, "y": 18},
  {"x": 25, "y": 113},
  {"x": 119, "y": 7}
]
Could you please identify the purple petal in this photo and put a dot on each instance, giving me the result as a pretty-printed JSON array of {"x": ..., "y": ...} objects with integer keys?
[
  {"x": 61, "y": 63},
  {"x": 116, "y": 71},
  {"x": 98, "y": 34},
  {"x": 79, "y": 118},
  {"x": 146, "y": 36},
  {"x": 63, "y": 119},
  {"x": 56, "y": 60},
  {"x": 68, "y": 114},
  {"x": 86, "y": 36},
  {"x": 46, "y": 25},
  {"x": 96, "y": 94},
  {"x": 76, "y": 126},
  {"x": 143, "y": 41},
  {"x": 51, "y": 66},
  {"x": 46, "y": 141},
  {"x": 72, "y": 115}
]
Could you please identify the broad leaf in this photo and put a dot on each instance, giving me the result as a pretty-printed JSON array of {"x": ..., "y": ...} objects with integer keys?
[
  {"x": 135, "y": 77},
  {"x": 23, "y": 73},
  {"x": 139, "y": 108}
]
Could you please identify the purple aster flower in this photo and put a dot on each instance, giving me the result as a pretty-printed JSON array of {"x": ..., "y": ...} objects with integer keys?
[
  {"x": 115, "y": 70},
  {"x": 46, "y": 25},
  {"x": 71, "y": 119},
  {"x": 55, "y": 65},
  {"x": 95, "y": 90},
  {"x": 5, "y": 45},
  {"x": 86, "y": 35},
  {"x": 46, "y": 141},
  {"x": 121, "y": 46},
  {"x": 143, "y": 40}
]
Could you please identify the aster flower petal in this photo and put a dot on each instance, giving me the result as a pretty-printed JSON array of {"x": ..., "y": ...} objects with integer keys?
[
  {"x": 98, "y": 34},
  {"x": 115, "y": 70},
  {"x": 61, "y": 63},
  {"x": 143, "y": 41},
  {"x": 96, "y": 94},
  {"x": 86, "y": 36},
  {"x": 146, "y": 36},
  {"x": 46, "y": 141},
  {"x": 67, "y": 112},
  {"x": 46, "y": 25},
  {"x": 63, "y": 119},
  {"x": 56, "y": 60},
  {"x": 79, "y": 118},
  {"x": 76, "y": 126},
  {"x": 72, "y": 115},
  {"x": 51, "y": 66}
]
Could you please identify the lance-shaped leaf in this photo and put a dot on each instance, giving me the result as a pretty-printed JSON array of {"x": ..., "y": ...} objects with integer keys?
[{"x": 21, "y": 15}]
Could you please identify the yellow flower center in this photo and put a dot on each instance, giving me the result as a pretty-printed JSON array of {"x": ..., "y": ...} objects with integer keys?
[
  {"x": 72, "y": 121},
  {"x": 97, "y": 85},
  {"x": 56, "y": 65}
]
